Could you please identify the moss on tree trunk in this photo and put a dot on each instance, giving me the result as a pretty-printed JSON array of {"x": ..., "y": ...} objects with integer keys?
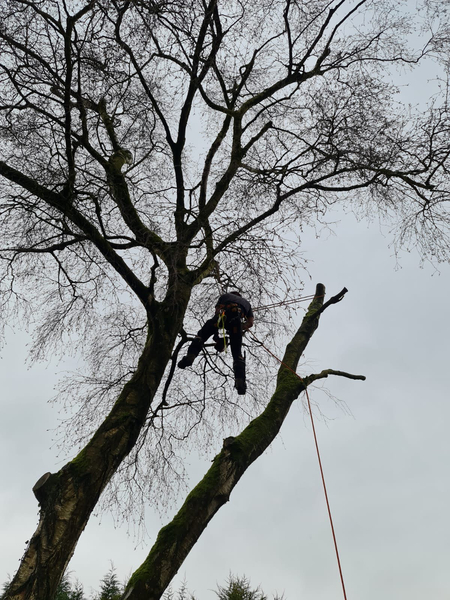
[
  {"x": 176, "y": 539},
  {"x": 67, "y": 498}
]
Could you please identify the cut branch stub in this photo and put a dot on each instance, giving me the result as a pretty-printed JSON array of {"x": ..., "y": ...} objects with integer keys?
[{"x": 39, "y": 489}]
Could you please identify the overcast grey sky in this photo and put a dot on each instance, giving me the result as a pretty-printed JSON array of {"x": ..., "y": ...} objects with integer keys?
[
  {"x": 385, "y": 458},
  {"x": 386, "y": 464}
]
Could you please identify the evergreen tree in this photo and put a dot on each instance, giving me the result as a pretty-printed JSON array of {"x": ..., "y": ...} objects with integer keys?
[
  {"x": 65, "y": 590},
  {"x": 111, "y": 588},
  {"x": 239, "y": 588},
  {"x": 182, "y": 594},
  {"x": 77, "y": 593},
  {"x": 5, "y": 587}
]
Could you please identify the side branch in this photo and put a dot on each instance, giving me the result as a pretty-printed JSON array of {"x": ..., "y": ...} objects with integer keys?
[
  {"x": 333, "y": 300},
  {"x": 324, "y": 374},
  {"x": 121, "y": 195},
  {"x": 63, "y": 206}
]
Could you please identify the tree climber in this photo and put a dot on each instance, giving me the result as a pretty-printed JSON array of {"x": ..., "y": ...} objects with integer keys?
[{"x": 231, "y": 310}]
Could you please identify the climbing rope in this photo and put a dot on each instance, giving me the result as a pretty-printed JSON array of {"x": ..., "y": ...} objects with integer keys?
[
  {"x": 286, "y": 302},
  {"x": 318, "y": 457},
  {"x": 217, "y": 277}
]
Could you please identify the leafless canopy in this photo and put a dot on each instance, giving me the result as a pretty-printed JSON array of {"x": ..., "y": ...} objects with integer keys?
[{"x": 153, "y": 152}]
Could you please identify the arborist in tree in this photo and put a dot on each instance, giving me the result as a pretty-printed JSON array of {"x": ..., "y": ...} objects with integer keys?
[{"x": 234, "y": 315}]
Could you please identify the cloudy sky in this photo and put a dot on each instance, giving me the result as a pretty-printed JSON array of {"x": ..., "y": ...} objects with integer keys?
[
  {"x": 385, "y": 449},
  {"x": 384, "y": 443}
]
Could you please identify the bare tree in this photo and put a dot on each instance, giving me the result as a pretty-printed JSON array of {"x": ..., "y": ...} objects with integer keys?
[{"x": 153, "y": 149}]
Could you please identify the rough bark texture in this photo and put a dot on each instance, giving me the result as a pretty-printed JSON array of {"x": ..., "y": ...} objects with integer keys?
[
  {"x": 68, "y": 497},
  {"x": 176, "y": 539},
  {"x": 292, "y": 120}
]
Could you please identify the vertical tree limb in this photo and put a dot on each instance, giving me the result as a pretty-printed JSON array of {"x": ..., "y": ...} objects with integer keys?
[{"x": 176, "y": 539}]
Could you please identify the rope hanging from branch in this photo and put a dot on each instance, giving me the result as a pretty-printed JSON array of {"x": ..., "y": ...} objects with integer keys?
[{"x": 331, "y": 301}]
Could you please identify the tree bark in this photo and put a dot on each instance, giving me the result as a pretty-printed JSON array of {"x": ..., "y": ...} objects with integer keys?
[
  {"x": 176, "y": 539},
  {"x": 67, "y": 498}
]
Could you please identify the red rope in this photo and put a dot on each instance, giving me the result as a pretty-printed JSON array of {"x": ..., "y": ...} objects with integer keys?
[
  {"x": 319, "y": 459},
  {"x": 326, "y": 494}
]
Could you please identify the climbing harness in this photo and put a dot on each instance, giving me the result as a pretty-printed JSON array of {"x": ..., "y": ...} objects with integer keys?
[
  {"x": 222, "y": 310},
  {"x": 318, "y": 457},
  {"x": 221, "y": 325}
]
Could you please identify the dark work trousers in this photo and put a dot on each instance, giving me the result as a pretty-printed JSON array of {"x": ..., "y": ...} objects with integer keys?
[{"x": 233, "y": 326}]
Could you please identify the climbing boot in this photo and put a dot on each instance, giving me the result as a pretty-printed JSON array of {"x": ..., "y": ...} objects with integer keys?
[
  {"x": 187, "y": 361},
  {"x": 220, "y": 345},
  {"x": 240, "y": 385},
  {"x": 239, "y": 368},
  {"x": 239, "y": 375},
  {"x": 194, "y": 348}
]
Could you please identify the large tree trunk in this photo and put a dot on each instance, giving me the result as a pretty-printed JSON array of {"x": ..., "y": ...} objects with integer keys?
[
  {"x": 68, "y": 497},
  {"x": 176, "y": 539}
]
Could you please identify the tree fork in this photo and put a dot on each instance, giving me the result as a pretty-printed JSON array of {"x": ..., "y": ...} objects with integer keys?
[{"x": 176, "y": 539}]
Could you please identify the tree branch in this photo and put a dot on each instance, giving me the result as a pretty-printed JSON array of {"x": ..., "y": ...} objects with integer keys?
[
  {"x": 68, "y": 210},
  {"x": 326, "y": 372},
  {"x": 333, "y": 300}
]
